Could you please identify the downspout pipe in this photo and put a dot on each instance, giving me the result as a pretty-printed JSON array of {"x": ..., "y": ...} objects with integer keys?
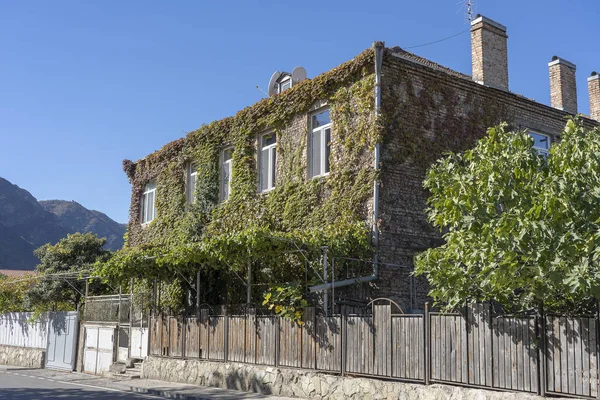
[{"x": 378, "y": 48}]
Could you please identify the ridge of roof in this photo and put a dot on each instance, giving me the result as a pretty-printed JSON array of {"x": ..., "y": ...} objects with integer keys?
[{"x": 407, "y": 55}]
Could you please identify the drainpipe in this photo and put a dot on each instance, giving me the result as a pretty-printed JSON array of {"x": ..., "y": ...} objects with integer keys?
[{"x": 378, "y": 48}]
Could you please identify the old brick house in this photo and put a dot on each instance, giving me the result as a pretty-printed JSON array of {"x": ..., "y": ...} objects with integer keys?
[{"x": 364, "y": 132}]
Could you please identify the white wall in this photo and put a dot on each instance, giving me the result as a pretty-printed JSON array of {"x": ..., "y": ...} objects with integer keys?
[{"x": 17, "y": 329}]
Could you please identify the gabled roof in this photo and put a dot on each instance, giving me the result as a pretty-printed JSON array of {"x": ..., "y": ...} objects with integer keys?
[{"x": 407, "y": 55}]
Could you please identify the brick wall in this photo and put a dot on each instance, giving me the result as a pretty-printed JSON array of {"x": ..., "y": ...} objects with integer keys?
[
  {"x": 489, "y": 53},
  {"x": 563, "y": 88},
  {"x": 428, "y": 112},
  {"x": 594, "y": 92}
]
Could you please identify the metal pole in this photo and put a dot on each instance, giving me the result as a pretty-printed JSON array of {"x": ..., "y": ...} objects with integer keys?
[
  {"x": 325, "y": 294},
  {"x": 344, "y": 318},
  {"x": 155, "y": 298},
  {"x": 249, "y": 285},
  {"x": 277, "y": 339},
  {"x": 226, "y": 334},
  {"x": 597, "y": 347},
  {"x": 119, "y": 321},
  {"x": 332, "y": 286},
  {"x": 542, "y": 352},
  {"x": 87, "y": 292},
  {"x": 198, "y": 294},
  {"x": 131, "y": 309},
  {"x": 467, "y": 337},
  {"x": 427, "y": 341}
]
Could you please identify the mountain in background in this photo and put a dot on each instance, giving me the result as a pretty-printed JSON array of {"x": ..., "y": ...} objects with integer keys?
[
  {"x": 26, "y": 224},
  {"x": 76, "y": 218}
]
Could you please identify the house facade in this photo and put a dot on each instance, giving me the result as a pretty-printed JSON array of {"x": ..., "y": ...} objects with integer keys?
[{"x": 326, "y": 162}]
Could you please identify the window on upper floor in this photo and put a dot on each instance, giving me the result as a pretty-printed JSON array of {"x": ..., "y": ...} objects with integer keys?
[
  {"x": 191, "y": 175},
  {"x": 267, "y": 161},
  {"x": 319, "y": 144},
  {"x": 226, "y": 171},
  {"x": 541, "y": 143},
  {"x": 285, "y": 83},
  {"x": 148, "y": 203}
]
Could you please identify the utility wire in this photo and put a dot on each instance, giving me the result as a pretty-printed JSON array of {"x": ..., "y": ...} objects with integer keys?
[
  {"x": 438, "y": 41},
  {"x": 45, "y": 276}
]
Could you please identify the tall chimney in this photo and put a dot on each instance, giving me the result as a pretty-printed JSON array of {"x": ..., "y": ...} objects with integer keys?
[
  {"x": 563, "y": 86},
  {"x": 594, "y": 91},
  {"x": 489, "y": 53}
]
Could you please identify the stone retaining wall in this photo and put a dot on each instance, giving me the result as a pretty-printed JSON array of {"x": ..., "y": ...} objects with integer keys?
[
  {"x": 307, "y": 384},
  {"x": 22, "y": 356}
]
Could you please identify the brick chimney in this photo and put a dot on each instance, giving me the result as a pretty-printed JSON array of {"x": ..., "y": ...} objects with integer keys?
[
  {"x": 489, "y": 53},
  {"x": 594, "y": 91},
  {"x": 563, "y": 87}
]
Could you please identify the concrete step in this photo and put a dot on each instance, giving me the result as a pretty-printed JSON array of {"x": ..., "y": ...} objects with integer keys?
[
  {"x": 137, "y": 365},
  {"x": 133, "y": 373}
]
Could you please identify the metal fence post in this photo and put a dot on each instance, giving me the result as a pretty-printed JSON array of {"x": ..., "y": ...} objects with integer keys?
[
  {"x": 427, "y": 343},
  {"x": 277, "y": 340},
  {"x": 314, "y": 334},
  {"x": 226, "y": 335},
  {"x": 597, "y": 348},
  {"x": 491, "y": 330},
  {"x": 344, "y": 318},
  {"x": 118, "y": 325},
  {"x": 467, "y": 339},
  {"x": 183, "y": 335},
  {"x": 541, "y": 330}
]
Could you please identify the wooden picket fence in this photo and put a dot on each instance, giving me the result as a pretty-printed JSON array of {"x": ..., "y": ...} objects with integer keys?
[{"x": 548, "y": 354}]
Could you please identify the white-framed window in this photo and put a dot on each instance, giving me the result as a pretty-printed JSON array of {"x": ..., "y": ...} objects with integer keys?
[
  {"x": 541, "y": 143},
  {"x": 192, "y": 173},
  {"x": 285, "y": 83},
  {"x": 319, "y": 144},
  {"x": 267, "y": 161},
  {"x": 226, "y": 171},
  {"x": 148, "y": 203}
]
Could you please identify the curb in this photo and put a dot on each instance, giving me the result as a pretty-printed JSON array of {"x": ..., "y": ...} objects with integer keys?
[{"x": 169, "y": 394}]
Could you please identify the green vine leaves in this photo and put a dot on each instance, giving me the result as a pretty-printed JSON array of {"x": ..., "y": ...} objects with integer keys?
[{"x": 299, "y": 214}]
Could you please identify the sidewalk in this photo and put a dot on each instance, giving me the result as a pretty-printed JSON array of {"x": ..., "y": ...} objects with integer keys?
[{"x": 145, "y": 386}]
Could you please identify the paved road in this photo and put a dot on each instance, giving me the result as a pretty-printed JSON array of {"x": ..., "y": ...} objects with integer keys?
[
  {"x": 15, "y": 385},
  {"x": 24, "y": 384}
]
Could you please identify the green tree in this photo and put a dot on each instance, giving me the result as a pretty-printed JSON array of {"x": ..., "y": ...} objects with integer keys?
[
  {"x": 519, "y": 229},
  {"x": 13, "y": 291},
  {"x": 60, "y": 266}
]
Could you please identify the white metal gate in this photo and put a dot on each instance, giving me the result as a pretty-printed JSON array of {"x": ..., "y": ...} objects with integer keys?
[
  {"x": 99, "y": 348},
  {"x": 139, "y": 342},
  {"x": 63, "y": 330}
]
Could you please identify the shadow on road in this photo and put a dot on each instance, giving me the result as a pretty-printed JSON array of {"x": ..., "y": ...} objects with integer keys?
[{"x": 63, "y": 393}]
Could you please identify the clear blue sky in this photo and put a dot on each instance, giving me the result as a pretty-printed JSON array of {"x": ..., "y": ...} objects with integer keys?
[{"x": 86, "y": 84}]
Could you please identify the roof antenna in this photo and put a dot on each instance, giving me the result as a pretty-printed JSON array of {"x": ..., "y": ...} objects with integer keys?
[
  {"x": 470, "y": 6},
  {"x": 262, "y": 91}
]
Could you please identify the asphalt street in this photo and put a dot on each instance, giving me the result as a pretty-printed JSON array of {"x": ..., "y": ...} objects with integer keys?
[
  {"x": 24, "y": 384},
  {"x": 16, "y": 385}
]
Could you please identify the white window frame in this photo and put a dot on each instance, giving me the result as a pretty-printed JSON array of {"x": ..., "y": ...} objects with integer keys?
[
  {"x": 540, "y": 150},
  {"x": 271, "y": 162},
  {"x": 282, "y": 82},
  {"x": 229, "y": 165},
  {"x": 150, "y": 188},
  {"x": 323, "y": 145},
  {"x": 191, "y": 175}
]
